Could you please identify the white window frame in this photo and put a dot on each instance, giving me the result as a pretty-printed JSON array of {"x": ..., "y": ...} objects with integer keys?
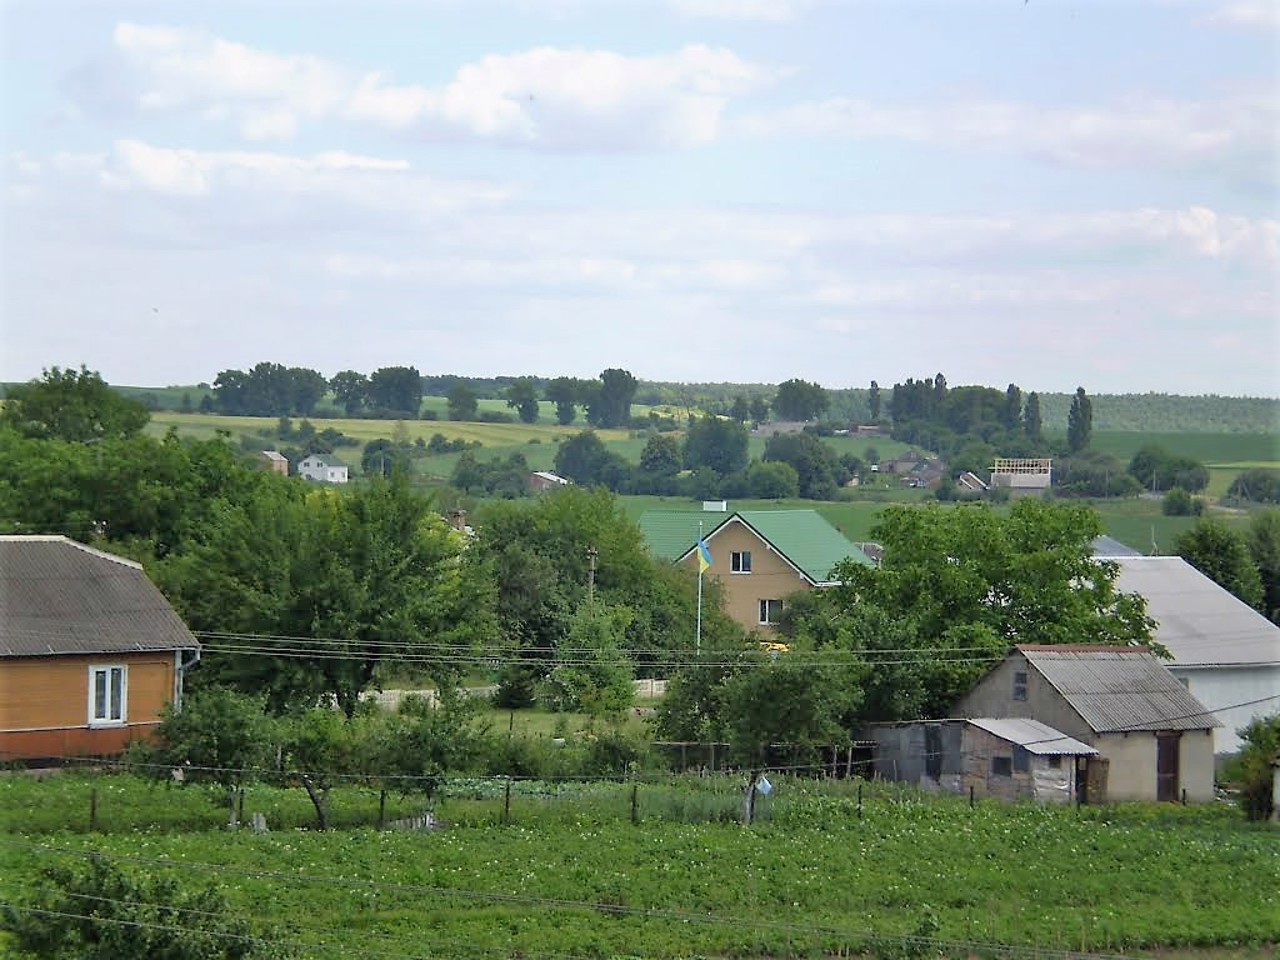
[
  {"x": 106, "y": 670},
  {"x": 765, "y": 607},
  {"x": 740, "y": 561}
]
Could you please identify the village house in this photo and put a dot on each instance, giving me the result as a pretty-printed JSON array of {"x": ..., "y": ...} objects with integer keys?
[
  {"x": 275, "y": 461},
  {"x": 760, "y": 557},
  {"x": 1223, "y": 651},
  {"x": 90, "y": 651},
  {"x": 546, "y": 480},
  {"x": 323, "y": 467},
  {"x": 1154, "y": 739}
]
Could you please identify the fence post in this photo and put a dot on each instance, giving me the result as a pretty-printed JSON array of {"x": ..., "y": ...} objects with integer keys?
[
  {"x": 971, "y": 795},
  {"x": 506, "y": 804},
  {"x": 635, "y": 806},
  {"x": 382, "y": 808},
  {"x": 859, "y": 799},
  {"x": 93, "y": 809}
]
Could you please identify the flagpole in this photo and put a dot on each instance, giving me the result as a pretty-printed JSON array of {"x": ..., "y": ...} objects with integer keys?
[{"x": 697, "y": 637}]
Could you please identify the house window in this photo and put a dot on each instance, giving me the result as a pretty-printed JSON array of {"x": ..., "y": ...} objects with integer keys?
[
  {"x": 1021, "y": 759},
  {"x": 1020, "y": 685},
  {"x": 740, "y": 562},
  {"x": 108, "y": 694},
  {"x": 1055, "y": 762},
  {"x": 770, "y": 611},
  {"x": 1002, "y": 766}
]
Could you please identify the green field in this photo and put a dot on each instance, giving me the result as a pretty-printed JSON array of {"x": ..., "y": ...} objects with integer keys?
[
  {"x": 647, "y": 868},
  {"x": 1262, "y": 449}
]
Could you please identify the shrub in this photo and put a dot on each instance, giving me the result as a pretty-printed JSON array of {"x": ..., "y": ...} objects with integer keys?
[{"x": 1260, "y": 753}]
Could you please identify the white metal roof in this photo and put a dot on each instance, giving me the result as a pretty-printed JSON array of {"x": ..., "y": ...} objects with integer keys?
[
  {"x": 1034, "y": 736},
  {"x": 1199, "y": 622}
]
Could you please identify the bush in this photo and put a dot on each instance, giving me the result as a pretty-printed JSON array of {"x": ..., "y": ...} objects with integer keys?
[
  {"x": 1179, "y": 503},
  {"x": 1260, "y": 753}
]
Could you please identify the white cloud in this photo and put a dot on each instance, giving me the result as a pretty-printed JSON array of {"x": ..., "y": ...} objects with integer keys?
[
  {"x": 546, "y": 97},
  {"x": 769, "y": 11},
  {"x": 1264, "y": 14},
  {"x": 1136, "y": 132}
]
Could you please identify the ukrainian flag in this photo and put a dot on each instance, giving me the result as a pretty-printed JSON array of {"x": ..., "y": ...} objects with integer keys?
[{"x": 704, "y": 556}]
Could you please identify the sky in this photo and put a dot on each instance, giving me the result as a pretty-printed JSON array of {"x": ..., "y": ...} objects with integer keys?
[{"x": 1055, "y": 193}]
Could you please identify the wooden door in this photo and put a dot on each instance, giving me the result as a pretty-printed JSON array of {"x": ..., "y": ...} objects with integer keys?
[{"x": 1167, "y": 766}]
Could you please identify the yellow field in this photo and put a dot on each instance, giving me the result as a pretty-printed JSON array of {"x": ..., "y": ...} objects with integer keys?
[{"x": 206, "y": 426}]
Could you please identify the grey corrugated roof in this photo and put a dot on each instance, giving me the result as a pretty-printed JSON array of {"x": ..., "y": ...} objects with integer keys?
[
  {"x": 1115, "y": 688},
  {"x": 1110, "y": 548},
  {"x": 1034, "y": 736},
  {"x": 1199, "y": 622},
  {"x": 61, "y": 597}
]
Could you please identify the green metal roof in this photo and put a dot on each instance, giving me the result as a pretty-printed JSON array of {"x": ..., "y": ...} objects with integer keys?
[{"x": 803, "y": 537}]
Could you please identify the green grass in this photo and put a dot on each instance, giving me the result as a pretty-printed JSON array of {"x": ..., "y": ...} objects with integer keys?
[
  {"x": 1210, "y": 448},
  {"x": 821, "y": 875}
]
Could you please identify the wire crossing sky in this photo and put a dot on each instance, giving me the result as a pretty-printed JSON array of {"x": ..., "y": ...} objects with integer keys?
[{"x": 1054, "y": 192}]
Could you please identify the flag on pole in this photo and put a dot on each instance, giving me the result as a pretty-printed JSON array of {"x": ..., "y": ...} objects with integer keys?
[{"x": 704, "y": 556}]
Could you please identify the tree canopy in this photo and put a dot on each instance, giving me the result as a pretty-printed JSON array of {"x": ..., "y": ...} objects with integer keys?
[
  {"x": 800, "y": 400},
  {"x": 73, "y": 405}
]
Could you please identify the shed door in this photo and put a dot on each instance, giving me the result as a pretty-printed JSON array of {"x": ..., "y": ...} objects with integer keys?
[
  {"x": 1167, "y": 766},
  {"x": 933, "y": 752}
]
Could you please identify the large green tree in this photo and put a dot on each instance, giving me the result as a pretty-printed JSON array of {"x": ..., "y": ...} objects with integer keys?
[
  {"x": 564, "y": 392},
  {"x": 313, "y": 589},
  {"x": 72, "y": 405},
  {"x": 817, "y": 467},
  {"x": 717, "y": 443},
  {"x": 522, "y": 396},
  {"x": 961, "y": 585},
  {"x": 1222, "y": 555},
  {"x": 800, "y": 400},
  {"x": 609, "y": 404},
  {"x": 1079, "y": 421}
]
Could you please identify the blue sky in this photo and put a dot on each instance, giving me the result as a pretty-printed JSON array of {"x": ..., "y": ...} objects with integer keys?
[{"x": 1052, "y": 192}]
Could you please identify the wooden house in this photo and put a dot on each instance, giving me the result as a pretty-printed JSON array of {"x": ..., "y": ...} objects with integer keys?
[{"x": 90, "y": 651}]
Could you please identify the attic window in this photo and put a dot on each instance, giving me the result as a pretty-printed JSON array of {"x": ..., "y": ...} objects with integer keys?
[
  {"x": 740, "y": 561},
  {"x": 1020, "y": 685}
]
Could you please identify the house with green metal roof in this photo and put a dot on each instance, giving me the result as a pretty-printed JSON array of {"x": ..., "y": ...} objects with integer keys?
[{"x": 760, "y": 557}]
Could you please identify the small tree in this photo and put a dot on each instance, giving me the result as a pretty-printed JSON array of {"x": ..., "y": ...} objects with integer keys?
[
  {"x": 220, "y": 736},
  {"x": 1257, "y": 759},
  {"x": 592, "y": 674}
]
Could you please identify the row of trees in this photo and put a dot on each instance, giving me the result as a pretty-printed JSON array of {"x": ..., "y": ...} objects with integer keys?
[{"x": 711, "y": 461}]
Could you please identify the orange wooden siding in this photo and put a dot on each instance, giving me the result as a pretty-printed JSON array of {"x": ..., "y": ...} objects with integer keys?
[{"x": 54, "y": 691}]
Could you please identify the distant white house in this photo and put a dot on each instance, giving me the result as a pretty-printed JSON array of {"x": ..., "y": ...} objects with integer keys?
[
  {"x": 324, "y": 467},
  {"x": 1224, "y": 652}
]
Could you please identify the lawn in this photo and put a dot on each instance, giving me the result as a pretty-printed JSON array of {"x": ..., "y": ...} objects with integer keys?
[{"x": 636, "y": 869}]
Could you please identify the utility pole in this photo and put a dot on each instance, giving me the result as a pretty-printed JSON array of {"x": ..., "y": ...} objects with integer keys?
[{"x": 592, "y": 554}]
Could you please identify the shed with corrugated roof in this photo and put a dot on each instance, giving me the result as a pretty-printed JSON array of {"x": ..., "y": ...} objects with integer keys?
[{"x": 1154, "y": 739}]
